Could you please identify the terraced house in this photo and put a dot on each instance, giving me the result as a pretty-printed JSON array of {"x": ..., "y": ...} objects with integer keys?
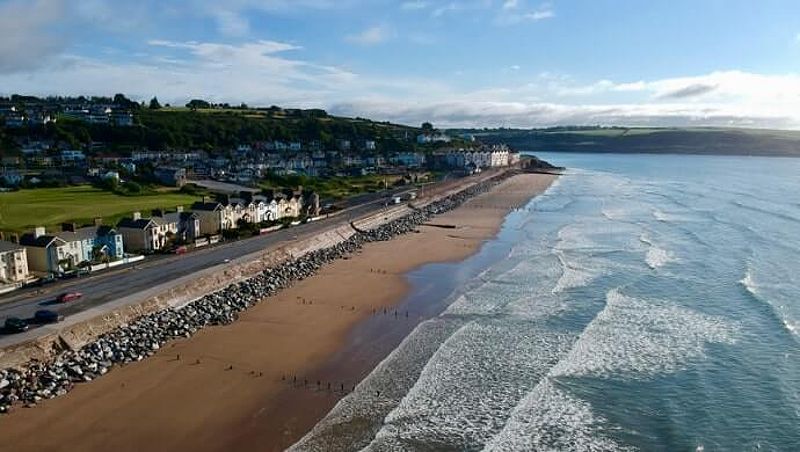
[
  {"x": 66, "y": 251},
  {"x": 13, "y": 264},
  {"x": 148, "y": 235}
]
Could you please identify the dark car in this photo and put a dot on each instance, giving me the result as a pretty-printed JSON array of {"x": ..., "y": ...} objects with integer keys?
[
  {"x": 46, "y": 316},
  {"x": 16, "y": 325}
]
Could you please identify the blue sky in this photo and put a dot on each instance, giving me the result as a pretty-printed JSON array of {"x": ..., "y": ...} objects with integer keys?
[{"x": 515, "y": 63}]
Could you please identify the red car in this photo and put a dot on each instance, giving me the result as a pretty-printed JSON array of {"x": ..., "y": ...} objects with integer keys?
[{"x": 68, "y": 297}]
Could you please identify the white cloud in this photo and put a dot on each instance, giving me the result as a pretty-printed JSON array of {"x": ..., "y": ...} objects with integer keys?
[
  {"x": 370, "y": 36},
  {"x": 232, "y": 24},
  {"x": 516, "y": 11},
  {"x": 525, "y": 115},
  {"x": 725, "y": 98},
  {"x": 263, "y": 72},
  {"x": 256, "y": 72},
  {"x": 414, "y": 5},
  {"x": 447, "y": 8},
  {"x": 28, "y": 39}
]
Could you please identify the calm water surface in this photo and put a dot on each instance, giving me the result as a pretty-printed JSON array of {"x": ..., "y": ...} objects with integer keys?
[{"x": 644, "y": 303}]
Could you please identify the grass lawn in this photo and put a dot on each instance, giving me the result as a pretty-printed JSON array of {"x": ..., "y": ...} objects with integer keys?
[
  {"x": 25, "y": 209},
  {"x": 335, "y": 188}
]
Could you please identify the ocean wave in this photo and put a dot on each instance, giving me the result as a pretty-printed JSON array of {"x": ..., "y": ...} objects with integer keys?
[
  {"x": 354, "y": 421},
  {"x": 661, "y": 216},
  {"x": 572, "y": 275},
  {"x": 551, "y": 203},
  {"x": 655, "y": 256},
  {"x": 613, "y": 214},
  {"x": 548, "y": 418},
  {"x": 772, "y": 213},
  {"x": 637, "y": 339},
  {"x": 521, "y": 292},
  {"x": 469, "y": 387},
  {"x": 780, "y": 310}
]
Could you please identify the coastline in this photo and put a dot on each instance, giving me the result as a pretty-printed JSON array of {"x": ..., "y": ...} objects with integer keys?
[{"x": 232, "y": 387}]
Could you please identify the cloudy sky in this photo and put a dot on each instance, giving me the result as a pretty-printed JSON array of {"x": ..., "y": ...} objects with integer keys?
[{"x": 513, "y": 63}]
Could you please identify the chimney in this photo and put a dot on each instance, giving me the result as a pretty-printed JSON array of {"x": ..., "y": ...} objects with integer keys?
[
  {"x": 98, "y": 221},
  {"x": 137, "y": 216},
  {"x": 38, "y": 232},
  {"x": 179, "y": 209},
  {"x": 68, "y": 227}
]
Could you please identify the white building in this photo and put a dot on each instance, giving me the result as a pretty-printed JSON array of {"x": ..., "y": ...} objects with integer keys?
[{"x": 13, "y": 263}]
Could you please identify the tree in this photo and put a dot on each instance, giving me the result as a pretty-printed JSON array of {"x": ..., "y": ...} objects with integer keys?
[
  {"x": 124, "y": 102},
  {"x": 427, "y": 127},
  {"x": 196, "y": 104},
  {"x": 154, "y": 105}
]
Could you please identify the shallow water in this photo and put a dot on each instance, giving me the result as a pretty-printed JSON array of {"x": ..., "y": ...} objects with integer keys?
[{"x": 642, "y": 303}]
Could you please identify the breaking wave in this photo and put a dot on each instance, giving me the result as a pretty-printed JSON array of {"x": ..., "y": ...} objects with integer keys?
[
  {"x": 634, "y": 339},
  {"x": 656, "y": 257},
  {"x": 551, "y": 419}
]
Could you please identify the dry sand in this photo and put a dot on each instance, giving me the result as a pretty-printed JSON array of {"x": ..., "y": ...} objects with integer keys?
[{"x": 231, "y": 387}]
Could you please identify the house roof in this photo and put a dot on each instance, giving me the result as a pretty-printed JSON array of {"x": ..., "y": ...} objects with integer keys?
[
  {"x": 103, "y": 231},
  {"x": 206, "y": 206},
  {"x": 130, "y": 223},
  {"x": 79, "y": 234},
  {"x": 168, "y": 218},
  {"x": 43, "y": 241},
  {"x": 8, "y": 246}
]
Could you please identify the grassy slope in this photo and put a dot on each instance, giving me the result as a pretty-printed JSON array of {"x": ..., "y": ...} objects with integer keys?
[{"x": 25, "y": 209}]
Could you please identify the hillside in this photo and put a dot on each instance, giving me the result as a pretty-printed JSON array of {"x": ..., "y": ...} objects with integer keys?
[
  {"x": 214, "y": 129},
  {"x": 649, "y": 140}
]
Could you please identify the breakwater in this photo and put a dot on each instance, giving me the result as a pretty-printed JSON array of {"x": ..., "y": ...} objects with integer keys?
[{"x": 145, "y": 335}]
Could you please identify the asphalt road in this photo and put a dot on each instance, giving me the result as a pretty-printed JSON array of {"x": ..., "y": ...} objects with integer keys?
[{"x": 114, "y": 284}]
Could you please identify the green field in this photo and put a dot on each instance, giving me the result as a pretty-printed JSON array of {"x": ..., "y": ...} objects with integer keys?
[
  {"x": 334, "y": 188},
  {"x": 26, "y": 209}
]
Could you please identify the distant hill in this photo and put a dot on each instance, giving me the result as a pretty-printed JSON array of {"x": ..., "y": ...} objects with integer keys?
[{"x": 648, "y": 140}]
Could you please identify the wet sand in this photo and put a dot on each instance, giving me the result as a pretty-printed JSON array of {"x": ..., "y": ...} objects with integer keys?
[{"x": 253, "y": 385}]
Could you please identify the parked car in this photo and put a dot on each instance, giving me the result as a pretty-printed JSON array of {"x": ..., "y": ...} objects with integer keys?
[
  {"x": 68, "y": 297},
  {"x": 16, "y": 325},
  {"x": 47, "y": 316}
]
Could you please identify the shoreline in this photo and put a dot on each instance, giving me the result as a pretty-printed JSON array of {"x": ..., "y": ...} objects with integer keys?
[{"x": 233, "y": 386}]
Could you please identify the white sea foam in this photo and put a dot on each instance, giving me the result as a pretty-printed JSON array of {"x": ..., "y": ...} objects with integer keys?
[
  {"x": 469, "y": 387},
  {"x": 634, "y": 338},
  {"x": 614, "y": 214},
  {"x": 549, "y": 419},
  {"x": 573, "y": 275},
  {"x": 521, "y": 292},
  {"x": 749, "y": 282},
  {"x": 655, "y": 256},
  {"x": 660, "y": 216},
  {"x": 781, "y": 309},
  {"x": 355, "y": 420}
]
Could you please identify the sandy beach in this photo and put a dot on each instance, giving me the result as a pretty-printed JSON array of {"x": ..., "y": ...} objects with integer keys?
[{"x": 257, "y": 384}]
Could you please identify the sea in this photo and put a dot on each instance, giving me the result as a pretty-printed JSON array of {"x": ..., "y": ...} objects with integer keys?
[{"x": 644, "y": 302}]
